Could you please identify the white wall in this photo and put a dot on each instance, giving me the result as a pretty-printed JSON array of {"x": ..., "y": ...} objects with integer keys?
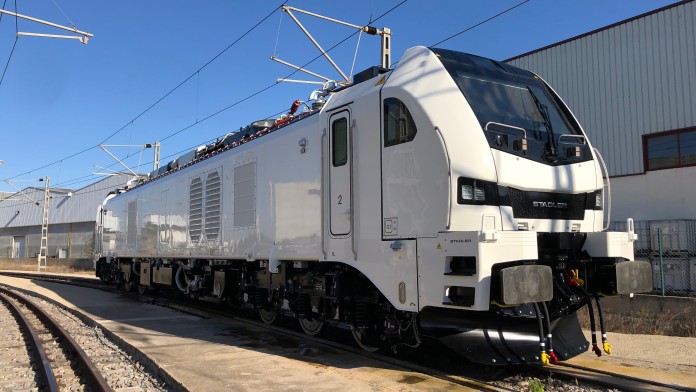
[{"x": 656, "y": 195}]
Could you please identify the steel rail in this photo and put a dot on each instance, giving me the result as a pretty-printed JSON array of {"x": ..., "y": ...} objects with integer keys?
[
  {"x": 563, "y": 370},
  {"x": 93, "y": 376},
  {"x": 629, "y": 383},
  {"x": 204, "y": 310},
  {"x": 45, "y": 371}
]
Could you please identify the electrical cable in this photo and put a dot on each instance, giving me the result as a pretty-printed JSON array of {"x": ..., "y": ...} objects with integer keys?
[
  {"x": 13, "y": 45},
  {"x": 157, "y": 101},
  {"x": 8, "y": 61},
  {"x": 479, "y": 23},
  {"x": 199, "y": 69},
  {"x": 287, "y": 77},
  {"x": 3, "y": 7},
  {"x": 90, "y": 177},
  {"x": 64, "y": 14},
  {"x": 229, "y": 106}
]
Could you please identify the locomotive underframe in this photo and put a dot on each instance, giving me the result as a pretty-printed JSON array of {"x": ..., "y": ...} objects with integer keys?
[{"x": 330, "y": 293}]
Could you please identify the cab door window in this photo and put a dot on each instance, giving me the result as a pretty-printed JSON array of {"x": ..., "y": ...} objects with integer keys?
[{"x": 399, "y": 126}]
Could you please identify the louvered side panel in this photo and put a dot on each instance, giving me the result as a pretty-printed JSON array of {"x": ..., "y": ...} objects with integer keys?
[
  {"x": 195, "y": 221},
  {"x": 213, "y": 206}
]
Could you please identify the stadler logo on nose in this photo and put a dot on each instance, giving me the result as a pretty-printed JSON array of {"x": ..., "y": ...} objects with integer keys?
[{"x": 549, "y": 204}]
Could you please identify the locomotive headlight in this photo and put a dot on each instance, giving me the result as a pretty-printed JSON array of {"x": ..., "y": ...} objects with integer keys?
[
  {"x": 477, "y": 192},
  {"x": 467, "y": 192}
]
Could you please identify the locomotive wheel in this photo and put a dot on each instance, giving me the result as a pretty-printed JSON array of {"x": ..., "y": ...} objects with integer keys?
[
  {"x": 268, "y": 316},
  {"x": 362, "y": 337},
  {"x": 311, "y": 327}
]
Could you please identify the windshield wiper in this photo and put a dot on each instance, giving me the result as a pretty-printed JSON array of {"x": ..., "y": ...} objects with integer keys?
[{"x": 551, "y": 153}]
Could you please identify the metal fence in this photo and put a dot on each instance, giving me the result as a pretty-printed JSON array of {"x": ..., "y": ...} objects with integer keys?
[{"x": 670, "y": 246}]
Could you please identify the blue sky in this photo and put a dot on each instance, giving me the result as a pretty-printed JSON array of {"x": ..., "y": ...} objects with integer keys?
[{"x": 60, "y": 97}]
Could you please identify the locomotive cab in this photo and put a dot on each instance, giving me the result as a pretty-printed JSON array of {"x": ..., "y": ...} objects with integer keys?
[{"x": 522, "y": 238}]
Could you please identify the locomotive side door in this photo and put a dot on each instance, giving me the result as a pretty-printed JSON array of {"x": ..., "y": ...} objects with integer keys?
[{"x": 340, "y": 172}]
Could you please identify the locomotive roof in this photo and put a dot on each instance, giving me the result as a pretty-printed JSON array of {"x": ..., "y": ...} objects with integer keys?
[{"x": 260, "y": 128}]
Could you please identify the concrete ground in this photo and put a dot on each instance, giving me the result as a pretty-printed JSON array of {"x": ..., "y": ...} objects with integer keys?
[{"x": 214, "y": 354}]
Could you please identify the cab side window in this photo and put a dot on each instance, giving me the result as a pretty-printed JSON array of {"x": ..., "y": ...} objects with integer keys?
[
  {"x": 340, "y": 141},
  {"x": 399, "y": 126}
]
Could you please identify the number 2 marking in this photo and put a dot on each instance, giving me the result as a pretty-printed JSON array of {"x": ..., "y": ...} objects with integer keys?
[{"x": 340, "y": 199}]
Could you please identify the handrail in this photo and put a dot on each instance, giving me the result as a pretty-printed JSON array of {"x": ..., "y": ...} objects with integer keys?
[
  {"x": 352, "y": 191},
  {"x": 449, "y": 174},
  {"x": 524, "y": 131},
  {"x": 322, "y": 183},
  {"x": 608, "y": 186}
]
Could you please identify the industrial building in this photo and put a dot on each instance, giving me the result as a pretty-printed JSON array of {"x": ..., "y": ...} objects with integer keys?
[
  {"x": 72, "y": 218},
  {"x": 631, "y": 86}
]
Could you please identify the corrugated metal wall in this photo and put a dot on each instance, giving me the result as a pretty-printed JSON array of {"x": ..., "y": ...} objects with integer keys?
[
  {"x": 77, "y": 239},
  {"x": 18, "y": 211},
  {"x": 632, "y": 79}
]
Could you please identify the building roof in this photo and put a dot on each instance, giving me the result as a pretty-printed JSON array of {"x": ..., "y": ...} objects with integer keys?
[
  {"x": 600, "y": 29},
  {"x": 65, "y": 206}
]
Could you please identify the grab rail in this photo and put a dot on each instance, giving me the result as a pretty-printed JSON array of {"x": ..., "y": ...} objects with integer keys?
[
  {"x": 323, "y": 192},
  {"x": 449, "y": 174}
]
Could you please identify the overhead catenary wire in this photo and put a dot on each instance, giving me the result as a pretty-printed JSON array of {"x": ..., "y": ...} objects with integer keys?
[
  {"x": 64, "y": 14},
  {"x": 14, "y": 45},
  {"x": 260, "y": 91},
  {"x": 480, "y": 23},
  {"x": 90, "y": 177},
  {"x": 4, "y": 3},
  {"x": 287, "y": 77},
  {"x": 247, "y": 32}
]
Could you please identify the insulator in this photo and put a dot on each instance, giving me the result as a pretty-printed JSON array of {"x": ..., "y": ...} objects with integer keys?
[
  {"x": 371, "y": 30},
  {"x": 295, "y": 105}
]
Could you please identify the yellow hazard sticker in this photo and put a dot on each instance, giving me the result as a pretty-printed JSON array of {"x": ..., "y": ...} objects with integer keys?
[
  {"x": 439, "y": 246},
  {"x": 381, "y": 81}
]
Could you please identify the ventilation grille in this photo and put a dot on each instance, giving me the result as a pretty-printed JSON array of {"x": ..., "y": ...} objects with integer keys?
[
  {"x": 245, "y": 195},
  {"x": 195, "y": 223},
  {"x": 213, "y": 193},
  {"x": 132, "y": 235}
]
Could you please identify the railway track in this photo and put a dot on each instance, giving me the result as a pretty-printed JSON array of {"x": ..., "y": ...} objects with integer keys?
[
  {"x": 64, "y": 363},
  {"x": 612, "y": 380},
  {"x": 450, "y": 369},
  {"x": 61, "y": 353}
]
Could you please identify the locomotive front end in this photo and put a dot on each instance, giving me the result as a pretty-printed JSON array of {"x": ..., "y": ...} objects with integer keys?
[{"x": 525, "y": 246}]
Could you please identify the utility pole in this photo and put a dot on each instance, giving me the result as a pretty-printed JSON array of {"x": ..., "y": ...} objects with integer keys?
[{"x": 43, "y": 250}]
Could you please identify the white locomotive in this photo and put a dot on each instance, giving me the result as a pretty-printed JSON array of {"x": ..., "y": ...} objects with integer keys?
[{"x": 453, "y": 196}]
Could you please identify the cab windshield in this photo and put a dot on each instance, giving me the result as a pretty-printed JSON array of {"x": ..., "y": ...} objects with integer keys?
[{"x": 511, "y": 103}]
